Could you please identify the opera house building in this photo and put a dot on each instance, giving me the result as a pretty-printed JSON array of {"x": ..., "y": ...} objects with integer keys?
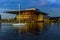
[{"x": 33, "y": 18}]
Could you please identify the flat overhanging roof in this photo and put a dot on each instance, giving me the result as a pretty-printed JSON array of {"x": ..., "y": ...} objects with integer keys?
[
  {"x": 17, "y": 12},
  {"x": 12, "y": 12}
]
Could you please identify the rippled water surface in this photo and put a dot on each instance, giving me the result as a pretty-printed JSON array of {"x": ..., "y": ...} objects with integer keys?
[
  {"x": 52, "y": 32},
  {"x": 7, "y": 32}
]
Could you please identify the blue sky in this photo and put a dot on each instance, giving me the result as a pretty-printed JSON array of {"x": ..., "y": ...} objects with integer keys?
[
  {"x": 6, "y": 5},
  {"x": 9, "y": 4},
  {"x": 52, "y": 7}
]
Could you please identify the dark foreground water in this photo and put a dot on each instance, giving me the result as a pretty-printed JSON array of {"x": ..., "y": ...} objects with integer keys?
[
  {"x": 7, "y": 32},
  {"x": 52, "y": 32}
]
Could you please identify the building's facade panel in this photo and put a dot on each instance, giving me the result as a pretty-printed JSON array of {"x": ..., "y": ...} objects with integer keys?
[
  {"x": 29, "y": 18},
  {"x": 40, "y": 17}
]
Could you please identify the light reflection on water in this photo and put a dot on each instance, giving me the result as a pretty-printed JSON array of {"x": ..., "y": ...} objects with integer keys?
[
  {"x": 51, "y": 32},
  {"x": 7, "y": 32}
]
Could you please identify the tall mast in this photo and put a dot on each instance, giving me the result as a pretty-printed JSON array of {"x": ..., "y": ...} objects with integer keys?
[
  {"x": 19, "y": 12},
  {"x": 19, "y": 18}
]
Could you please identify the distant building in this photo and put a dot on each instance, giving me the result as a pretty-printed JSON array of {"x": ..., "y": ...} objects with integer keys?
[
  {"x": 54, "y": 19},
  {"x": 58, "y": 19},
  {"x": 32, "y": 17}
]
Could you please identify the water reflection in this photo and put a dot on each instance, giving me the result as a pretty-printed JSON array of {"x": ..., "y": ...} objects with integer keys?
[
  {"x": 8, "y": 32},
  {"x": 51, "y": 32},
  {"x": 42, "y": 27},
  {"x": 47, "y": 32}
]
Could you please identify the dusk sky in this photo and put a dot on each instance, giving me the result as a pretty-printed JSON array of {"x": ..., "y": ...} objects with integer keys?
[
  {"x": 52, "y": 7},
  {"x": 6, "y": 5}
]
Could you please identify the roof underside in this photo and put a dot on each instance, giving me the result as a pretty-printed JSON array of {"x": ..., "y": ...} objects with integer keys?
[
  {"x": 13, "y": 12},
  {"x": 17, "y": 12}
]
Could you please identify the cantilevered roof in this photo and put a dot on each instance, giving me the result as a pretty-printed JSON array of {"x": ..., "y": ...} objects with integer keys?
[
  {"x": 12, "y": 12},
  {"x": 35, "y": 10},
  {"x": 16, "y": 11}
]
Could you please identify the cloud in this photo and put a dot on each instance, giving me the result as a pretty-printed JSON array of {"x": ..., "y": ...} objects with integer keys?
[
  {"x": 52, "y": 11},
  {"x": 52, "y": 1},
  {"x": 6, "y": 5},
  {"x": 10, "y": 4},
  {"x": 2, "y": 10},
  {"x": 6, "y": 15},
  {"x": 37, "y": 4}
]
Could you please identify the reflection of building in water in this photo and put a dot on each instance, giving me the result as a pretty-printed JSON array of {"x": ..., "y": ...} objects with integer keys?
[
  {"x": 32, "y": 17},
  {"x": 43, "y": 20}
]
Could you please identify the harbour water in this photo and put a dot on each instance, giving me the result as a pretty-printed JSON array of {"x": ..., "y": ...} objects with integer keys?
[
  {"x": 7, "y": 32},
  {"x": 52, "y": 32}
]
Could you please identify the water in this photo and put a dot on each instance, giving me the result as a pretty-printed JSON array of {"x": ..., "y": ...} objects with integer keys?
[
  {"x": 7, "y": 32},
  {"x": 51, "y": 32}
]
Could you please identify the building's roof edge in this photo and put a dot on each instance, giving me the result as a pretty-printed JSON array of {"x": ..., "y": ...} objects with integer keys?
[{"x": 20, "y": 11}]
